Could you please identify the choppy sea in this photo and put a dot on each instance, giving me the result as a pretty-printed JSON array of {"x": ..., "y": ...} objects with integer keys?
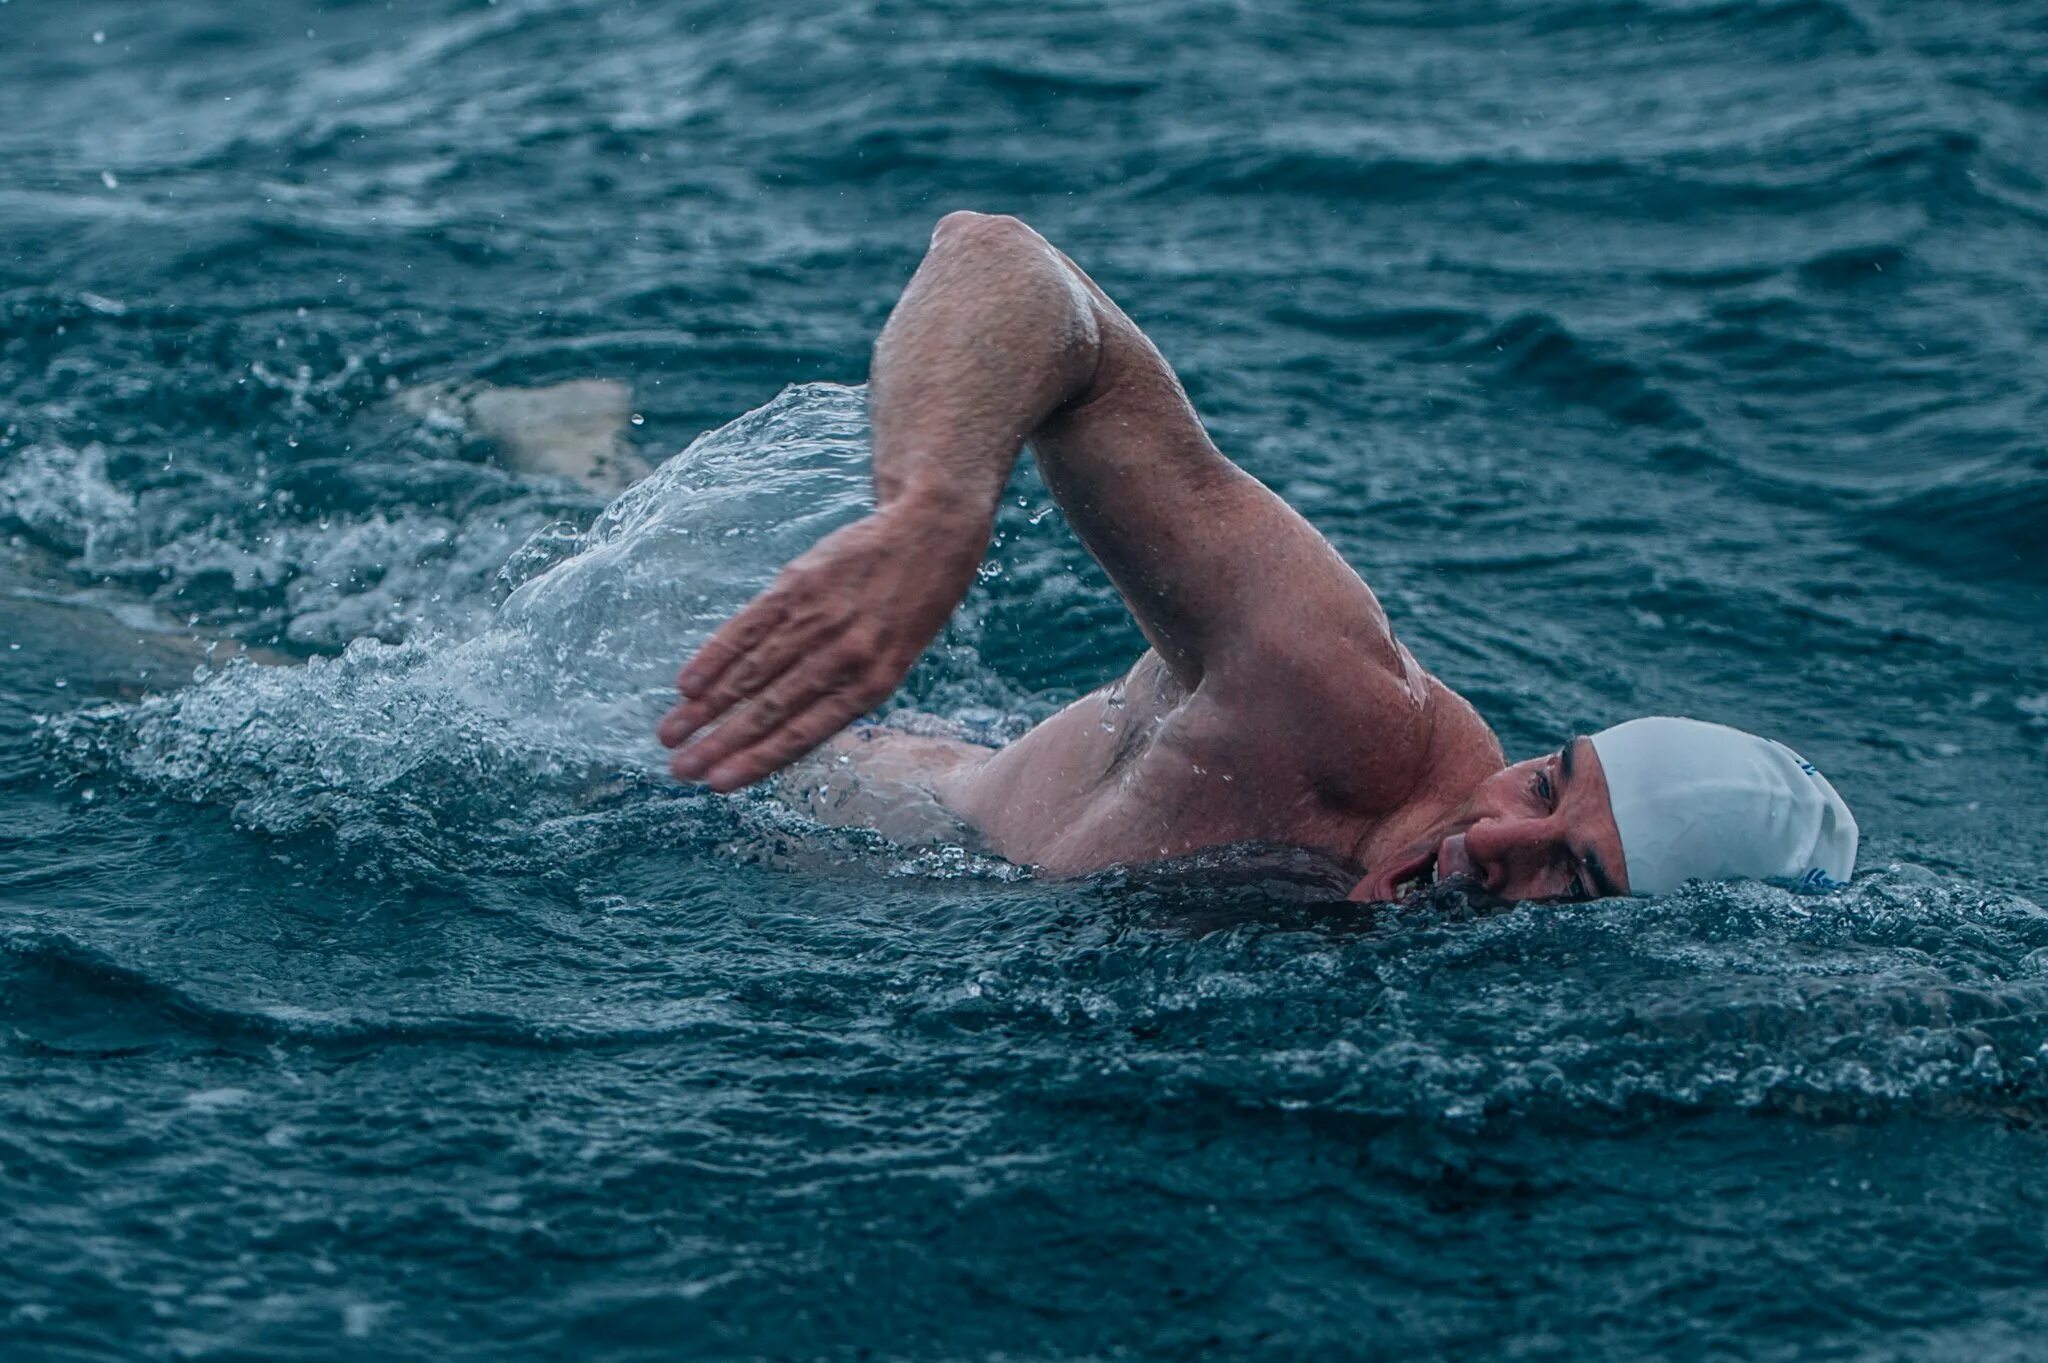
[{"x": 367, "y": 992}]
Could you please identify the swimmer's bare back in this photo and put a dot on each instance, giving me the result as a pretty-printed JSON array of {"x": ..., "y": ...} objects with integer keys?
[{"x": 1274, "y": 704}]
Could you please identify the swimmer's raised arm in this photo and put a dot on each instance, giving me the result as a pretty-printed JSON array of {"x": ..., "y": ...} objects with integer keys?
[{"x": 1000, "y": 339}]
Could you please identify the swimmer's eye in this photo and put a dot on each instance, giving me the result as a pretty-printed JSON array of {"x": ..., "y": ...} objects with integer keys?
[
  {"x": 1544, "y": 790},
  {"x": 1578, "y": 887}
]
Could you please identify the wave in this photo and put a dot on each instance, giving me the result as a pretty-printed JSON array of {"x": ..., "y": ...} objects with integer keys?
[
  {"x": 1538, "y": 350},
  {"x": 1821, "y": 167},
  {"x": 78, "y": 1001},
  {"x": 1984, "y": 523},
  {"x": 310, "y": 561},
  {"x": 1904, "y": 995},
  {"x": 1528, "y": 348},
  {"x": 1808, "y": 25},
  {"x": 1901, "y": 996}
]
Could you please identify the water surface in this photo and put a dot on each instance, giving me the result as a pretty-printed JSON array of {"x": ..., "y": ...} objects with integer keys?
[{"x": 387, "y": 1003}]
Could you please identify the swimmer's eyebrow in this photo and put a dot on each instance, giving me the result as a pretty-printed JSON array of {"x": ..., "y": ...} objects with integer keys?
[{"x": 1564, "y": 754}]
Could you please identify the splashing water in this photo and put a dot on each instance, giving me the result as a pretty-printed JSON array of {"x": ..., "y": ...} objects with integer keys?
[{"x": 560, "y": 688}]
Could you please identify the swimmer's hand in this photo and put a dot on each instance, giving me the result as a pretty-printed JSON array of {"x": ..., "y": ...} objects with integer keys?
[{"x": 831, "y": 639}]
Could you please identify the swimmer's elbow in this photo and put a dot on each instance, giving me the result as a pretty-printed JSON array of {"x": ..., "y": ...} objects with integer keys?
[
  {"x": 966, "y": 228},
  {"x": 1006, "y": 265},
  {"x": 999, "y": 245}
]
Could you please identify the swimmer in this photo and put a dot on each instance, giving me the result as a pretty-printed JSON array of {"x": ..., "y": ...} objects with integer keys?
[{"x": 1275, "y": 703}]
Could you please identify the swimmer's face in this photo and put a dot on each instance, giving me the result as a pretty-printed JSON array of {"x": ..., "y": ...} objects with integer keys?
[{"x": 1541, "y": 829}]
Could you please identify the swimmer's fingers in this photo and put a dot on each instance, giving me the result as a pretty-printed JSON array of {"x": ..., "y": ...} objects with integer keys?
[
  {"x": 795, "y": 737},
  {"x": 794, "y": 691},
  {"x": 746, "y": 725},
  {"x": 786, "y": 713},
  {"x": 840, "y": 628},
  {"x": 735, "y": 639},
  {"x": 748, "y": 655}
]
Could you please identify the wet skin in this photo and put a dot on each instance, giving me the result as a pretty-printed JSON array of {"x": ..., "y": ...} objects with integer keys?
[{"x": 1275, "y": 703}]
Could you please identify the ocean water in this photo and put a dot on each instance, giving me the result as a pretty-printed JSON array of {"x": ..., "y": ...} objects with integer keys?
[{"x": 366, "y": 991}]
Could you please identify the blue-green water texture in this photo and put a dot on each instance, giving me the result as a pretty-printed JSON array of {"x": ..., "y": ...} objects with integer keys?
[{"x": 368, "y": 992}]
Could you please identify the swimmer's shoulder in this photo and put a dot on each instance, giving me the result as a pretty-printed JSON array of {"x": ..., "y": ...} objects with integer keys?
[
  {"x": 1464, "y": 748},
  {"x": 1362, "y": 730}
]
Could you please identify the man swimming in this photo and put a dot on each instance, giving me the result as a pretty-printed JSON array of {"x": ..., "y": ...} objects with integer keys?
[{"x": 1274, "y": 704}]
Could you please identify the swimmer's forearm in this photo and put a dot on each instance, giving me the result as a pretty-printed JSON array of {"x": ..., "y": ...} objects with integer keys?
[{"x": 993, "y": 335}]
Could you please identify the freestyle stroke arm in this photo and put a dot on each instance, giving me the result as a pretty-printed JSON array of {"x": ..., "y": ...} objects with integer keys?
[{"x": 999, "y": 340}]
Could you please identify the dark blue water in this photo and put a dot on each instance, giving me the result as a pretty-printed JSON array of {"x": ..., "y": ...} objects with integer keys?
[{"x": 1645, "y": 356}]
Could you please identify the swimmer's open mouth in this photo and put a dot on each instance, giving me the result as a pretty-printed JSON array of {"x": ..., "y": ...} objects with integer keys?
[{"x": 1417, "y": 876}]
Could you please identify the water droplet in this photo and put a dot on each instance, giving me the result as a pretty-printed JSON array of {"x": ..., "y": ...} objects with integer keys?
[
  {"x": 639, "y": 420},
  {"x": 98, "y": 36},
  {"x": 107, "y": 179}
]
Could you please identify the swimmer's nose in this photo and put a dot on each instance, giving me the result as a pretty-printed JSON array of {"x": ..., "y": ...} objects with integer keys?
[{"x": 1507, "y": 854}]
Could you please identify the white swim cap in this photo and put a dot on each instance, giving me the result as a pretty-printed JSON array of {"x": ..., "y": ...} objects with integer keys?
[{"x": 1699, "y": 801}]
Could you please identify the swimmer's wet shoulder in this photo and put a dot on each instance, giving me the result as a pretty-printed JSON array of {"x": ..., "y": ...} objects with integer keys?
[
  {"x": 1139, "y": 770},
  {"x": 1275, "y": 702}
]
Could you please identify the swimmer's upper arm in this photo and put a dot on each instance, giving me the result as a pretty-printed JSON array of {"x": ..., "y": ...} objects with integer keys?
[{"x": 1231, "y": 585}]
